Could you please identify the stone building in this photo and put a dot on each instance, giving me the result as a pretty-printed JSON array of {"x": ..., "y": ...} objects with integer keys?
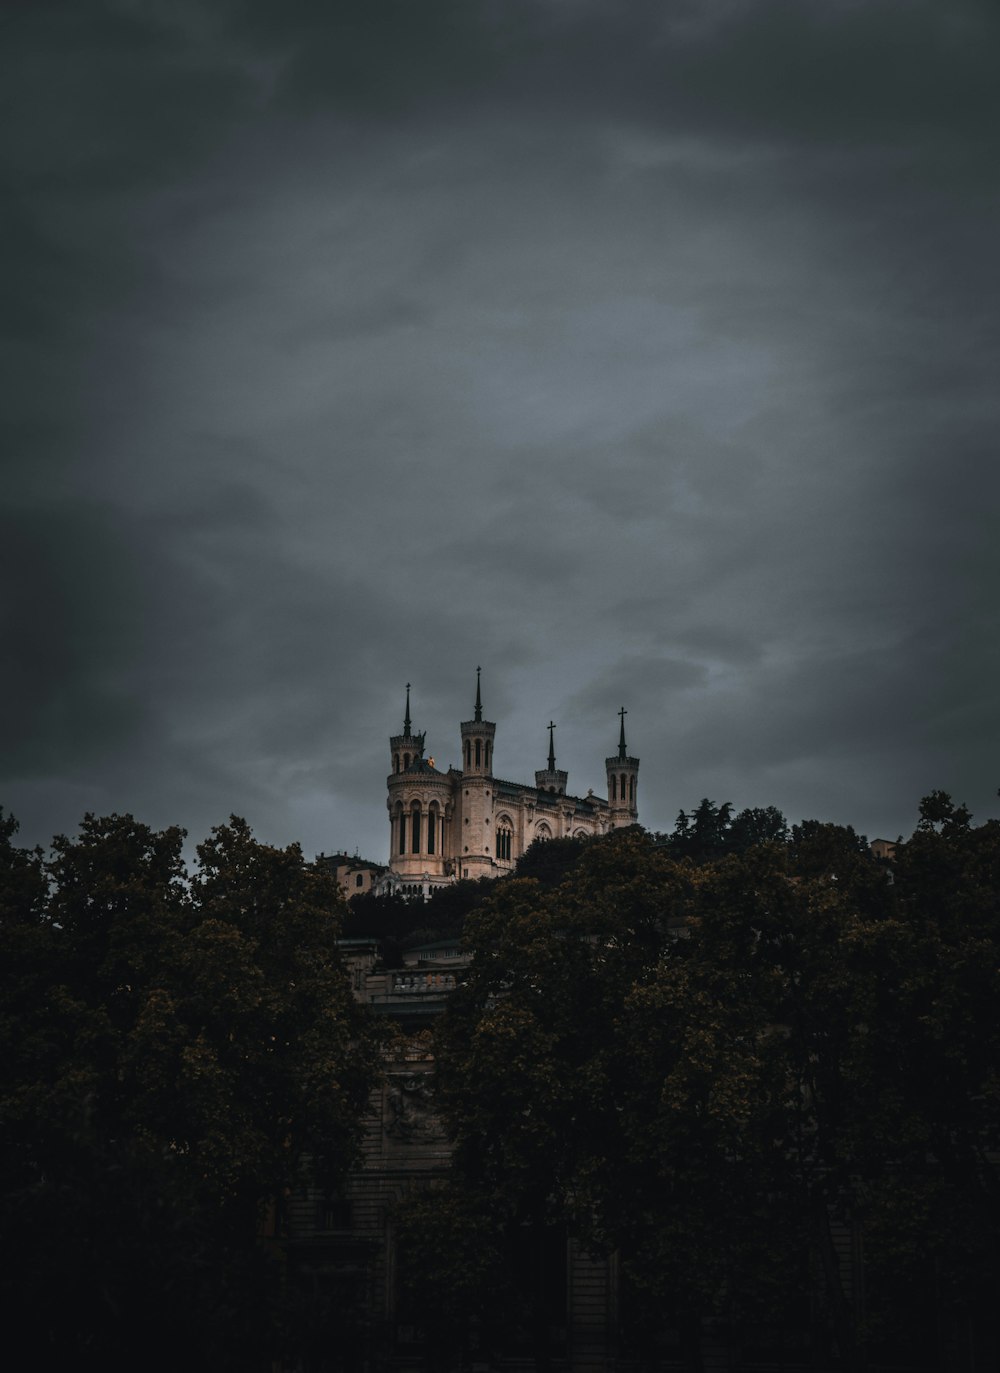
[
  {"x": 345, "y": 1246},
  {"x": 467, "y": 822},
  {"x": 355, "y": 876}
]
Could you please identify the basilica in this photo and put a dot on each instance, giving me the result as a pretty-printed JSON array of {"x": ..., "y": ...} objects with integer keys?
[{"x": 466, "y": 822}]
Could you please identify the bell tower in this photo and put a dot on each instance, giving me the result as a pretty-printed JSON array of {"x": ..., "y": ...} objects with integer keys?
[
  {"x": 474, "y": 856},
  {"x": 623, "y": 783},
  {"x": 477, "y": 740},
  {"x": 551, "y": 779},
  {"x": 405, "y": 747},
  {"x": 420, "y": 813}
]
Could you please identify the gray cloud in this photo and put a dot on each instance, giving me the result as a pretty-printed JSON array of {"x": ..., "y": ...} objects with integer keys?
[{"x": 645, "y": 354}]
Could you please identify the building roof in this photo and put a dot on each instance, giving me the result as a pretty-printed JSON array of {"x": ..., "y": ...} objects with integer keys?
[
  {"x": 423, "y": 766},
  {"x": 349, "y": 860}
]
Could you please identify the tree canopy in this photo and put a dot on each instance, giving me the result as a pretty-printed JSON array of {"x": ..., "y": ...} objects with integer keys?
[
  {"x": 710, "y": 831},
  {"x": 707, "y": 1069},
  {"x": 172, "y": 1051}
]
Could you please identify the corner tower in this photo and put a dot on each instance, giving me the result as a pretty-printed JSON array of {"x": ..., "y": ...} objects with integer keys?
[
  {"x": 623, "y": 783},
  {"x": 420, "y": 811}
]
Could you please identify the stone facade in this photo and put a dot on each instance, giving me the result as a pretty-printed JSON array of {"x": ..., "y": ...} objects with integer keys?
[
  {"x": 346, "y": 1245},
  {"x": 355, "y": 876},
  {"x": 469, "y": 823}
]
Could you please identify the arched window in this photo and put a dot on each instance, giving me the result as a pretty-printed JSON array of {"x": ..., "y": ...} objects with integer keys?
[
  {"x": 402, "y": 830},
  {"x": 395, "y": 762},
  {"x": 614, "y": 787},
  {"x": 431, "y": 829},
  {"x": 631, "y": 790},
  {"x": 624, "y": 793},
  {"x": 489, "y": 756},
  {"x": 359, "y": 881},
  {"x": 504, "y": 838},
  {"x": 406, "y": 761},
  {"x": 468, "y": 755},
  {"x": 479, "y": 752},
  {"x": 415, "y": 836}
]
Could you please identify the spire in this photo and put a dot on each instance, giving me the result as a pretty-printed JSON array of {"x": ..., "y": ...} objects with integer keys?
[
  {"x": 406, "y": 719},
  {"x": 479, "y": 700},
  {"x": 621, "y": 742},
  {"x": 552, "y": 749}
]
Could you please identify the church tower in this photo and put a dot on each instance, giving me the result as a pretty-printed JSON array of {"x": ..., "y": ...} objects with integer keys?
[
  {"x": 475, "y": 840},
  {"x": 420, "y": 812},
  {"x": 551, "y": 779},
  {"x": 406, "y": 746},
  {"x": 623, "y": 783}
]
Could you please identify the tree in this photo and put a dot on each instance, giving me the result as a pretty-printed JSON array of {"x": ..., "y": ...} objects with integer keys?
[
  {"x": 712, "y": 1069},
  {"x": 939, "y": 814},
  {"x": 523, "y": 1058},
  {"x": 548, "y": 861},
  {"x": 758, "y": 825},
  {"x": 703, "y": 835},
  {"x": 933, "y": 1085},
  {"x": 711, "y": 832},
  {"x": 174, "y": 1054}
]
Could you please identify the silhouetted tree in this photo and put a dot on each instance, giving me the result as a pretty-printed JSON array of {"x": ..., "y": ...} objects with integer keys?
[
  {"x": 549, "y": 860},
  {"x": 757, "y": 825},
  {"x": 171, "y": 1055},
  {"x": 707, "y": 1069}
]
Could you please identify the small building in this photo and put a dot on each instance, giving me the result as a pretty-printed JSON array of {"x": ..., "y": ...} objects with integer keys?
[
  {"x": 884, "y": 849},
  {"x": 355, "y": 876}
]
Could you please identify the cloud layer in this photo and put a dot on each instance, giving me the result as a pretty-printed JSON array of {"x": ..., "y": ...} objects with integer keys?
[{"x": 644, "y": 357}]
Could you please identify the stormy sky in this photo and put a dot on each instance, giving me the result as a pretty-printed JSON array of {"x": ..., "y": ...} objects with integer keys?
[{"x": 645, "y": 354}]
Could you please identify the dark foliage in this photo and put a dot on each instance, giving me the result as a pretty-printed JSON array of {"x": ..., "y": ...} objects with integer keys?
[
  {"x": 711, "y": 832},
  {"x": 400, "y": 922},
  {"x": 171, "y": 1052},
  {"x": 548, "y": 861},
  {"x": 706, "y": 1069}
]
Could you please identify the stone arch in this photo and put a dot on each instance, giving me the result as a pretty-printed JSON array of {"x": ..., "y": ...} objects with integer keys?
[{"x": 542, "y": 830}]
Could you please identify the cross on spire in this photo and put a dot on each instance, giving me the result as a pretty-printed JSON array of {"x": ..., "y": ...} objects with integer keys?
[
  {"x": 621, "y": 741},
  {"x": 479, "y": 701},
  {"x": 552, "y": 748},
  {"x": 406, "y": 718}
]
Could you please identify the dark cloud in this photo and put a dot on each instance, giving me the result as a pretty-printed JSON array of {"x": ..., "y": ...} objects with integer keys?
[
  {"x": 841, "y": 70},
  {"x": 645, "y": 354}
]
